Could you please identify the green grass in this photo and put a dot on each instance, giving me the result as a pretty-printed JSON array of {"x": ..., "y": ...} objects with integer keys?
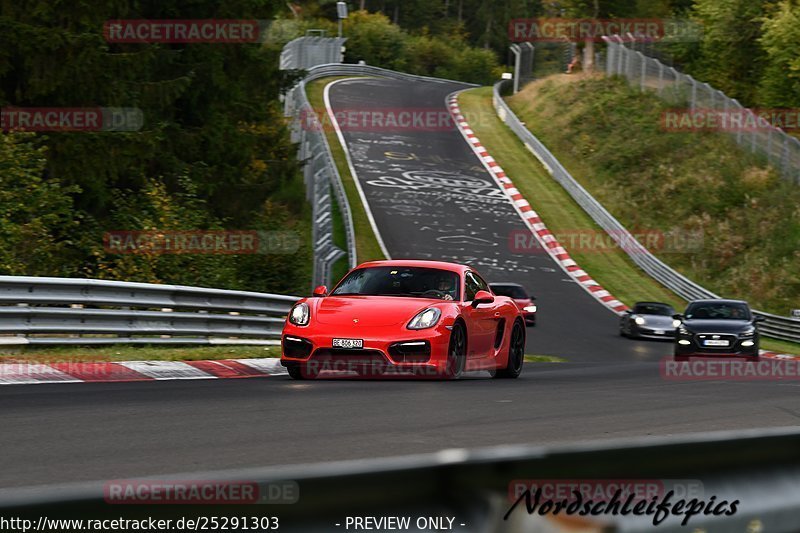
[
  {"x": 780, "y": 346},
  {"x": 122, "y": 352},
  {"x": 613, "y": 269},
  {"x": 544, "y": 359},
  {"x": 367, "y": 247}
]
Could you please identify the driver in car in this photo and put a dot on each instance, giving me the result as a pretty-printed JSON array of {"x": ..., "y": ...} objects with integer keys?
[{"x": 446, "y": 287}]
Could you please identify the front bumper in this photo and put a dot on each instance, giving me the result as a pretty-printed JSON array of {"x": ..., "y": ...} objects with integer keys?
[
  {"x": 736, "y": 349},
  {"x": 312, "y": 348},
  {"x": 651, "y": 333}
]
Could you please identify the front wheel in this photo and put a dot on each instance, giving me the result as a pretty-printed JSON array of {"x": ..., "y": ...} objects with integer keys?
[
  {"x": 456, "y": 352},
  {"x": 516, "y": 354}
]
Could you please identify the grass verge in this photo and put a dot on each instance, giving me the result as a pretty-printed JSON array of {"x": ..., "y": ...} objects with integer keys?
[
  {"x": 544, "y": 359},
  {"x": 122, "y": 352},
  {"x": 367, "y": 247}
]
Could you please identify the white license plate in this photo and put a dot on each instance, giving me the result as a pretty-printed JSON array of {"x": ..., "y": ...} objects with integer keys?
[
  {"x": 348, "y": 343},
  {"x": 658, "y": 331},
  {"x": 715, "y": 343}
]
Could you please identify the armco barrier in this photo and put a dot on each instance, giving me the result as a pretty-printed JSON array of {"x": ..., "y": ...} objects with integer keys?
[
  {"x": 783, "y": 328},
  {"x": 36, "y": 310}
]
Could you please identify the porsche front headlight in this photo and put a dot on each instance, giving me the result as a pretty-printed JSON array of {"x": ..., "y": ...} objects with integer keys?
[
  {"x": 299, "y": 314},
  {"x": 639, "y": 320},
  {"x": 425, "y": 319}
]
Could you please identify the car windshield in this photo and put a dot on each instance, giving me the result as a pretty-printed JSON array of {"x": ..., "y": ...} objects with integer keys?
[
  {"x": 718, "y": 311},
  {"x": 512, "y": 291},
  {"x": 400, "y": 281},
  {"x": 653, "y": 309}
]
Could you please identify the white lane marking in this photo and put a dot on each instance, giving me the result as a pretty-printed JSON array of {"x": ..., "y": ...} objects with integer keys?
[{"x": 353, "y": 173}]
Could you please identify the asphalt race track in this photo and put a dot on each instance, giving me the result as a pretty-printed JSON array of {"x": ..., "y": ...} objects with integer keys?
[
  {"x": 611, "y": 387},
  {"x": 80, "y": 432}
]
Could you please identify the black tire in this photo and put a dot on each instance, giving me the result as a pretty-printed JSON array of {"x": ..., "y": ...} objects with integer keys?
[
  {"x": 516, "y": 354},
  {"x": 302, "y": 372},
  {"x": 294, "y": 372},
  {"x": 456, "y": 352}
]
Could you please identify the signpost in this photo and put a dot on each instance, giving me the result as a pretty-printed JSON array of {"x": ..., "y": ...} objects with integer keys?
[{"x": 341, "y": 11}]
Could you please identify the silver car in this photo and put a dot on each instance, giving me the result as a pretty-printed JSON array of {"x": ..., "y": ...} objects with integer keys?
[{"x": 650, "y": 320}]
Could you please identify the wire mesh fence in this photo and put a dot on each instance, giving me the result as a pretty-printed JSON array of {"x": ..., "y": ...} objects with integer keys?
[{"x": 750, "y": 129}]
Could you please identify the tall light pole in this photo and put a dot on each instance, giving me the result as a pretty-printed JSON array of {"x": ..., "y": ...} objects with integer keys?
[{"x": 341, "y": 11}]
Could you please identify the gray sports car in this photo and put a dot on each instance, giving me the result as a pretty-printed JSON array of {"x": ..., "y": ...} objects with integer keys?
[{"x": 651, "y": 320}]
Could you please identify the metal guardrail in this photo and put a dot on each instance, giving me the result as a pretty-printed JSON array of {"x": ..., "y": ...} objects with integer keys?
[
  {"x": 760, "y": 469},
  {"x": 779, "y": 327},
  {"x": 306, "y": 52},
  {"x": 59, "y": 310}
]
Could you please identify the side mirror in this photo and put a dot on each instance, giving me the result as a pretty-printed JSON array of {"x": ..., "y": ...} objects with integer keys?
[
  {"x": 482, "y": 297},
  {"x": 627, "y": 312},
  {"x": 759, "y": 318},
  {"x": 322, "y": 290},
  {"x": 677, "y": 316}
]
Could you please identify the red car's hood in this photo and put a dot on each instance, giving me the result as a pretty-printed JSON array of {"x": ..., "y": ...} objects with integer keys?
[{"x": 368, "y": 310}]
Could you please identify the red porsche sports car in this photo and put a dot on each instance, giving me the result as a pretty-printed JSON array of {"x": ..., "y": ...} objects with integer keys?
[{"x": 420, "y": 317}]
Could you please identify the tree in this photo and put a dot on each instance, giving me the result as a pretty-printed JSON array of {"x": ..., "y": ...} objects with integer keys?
[
  {"x": 780, "y": 85},
  {"x": 212, "y": 116},
  {"x": 731, "y": 57}
]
